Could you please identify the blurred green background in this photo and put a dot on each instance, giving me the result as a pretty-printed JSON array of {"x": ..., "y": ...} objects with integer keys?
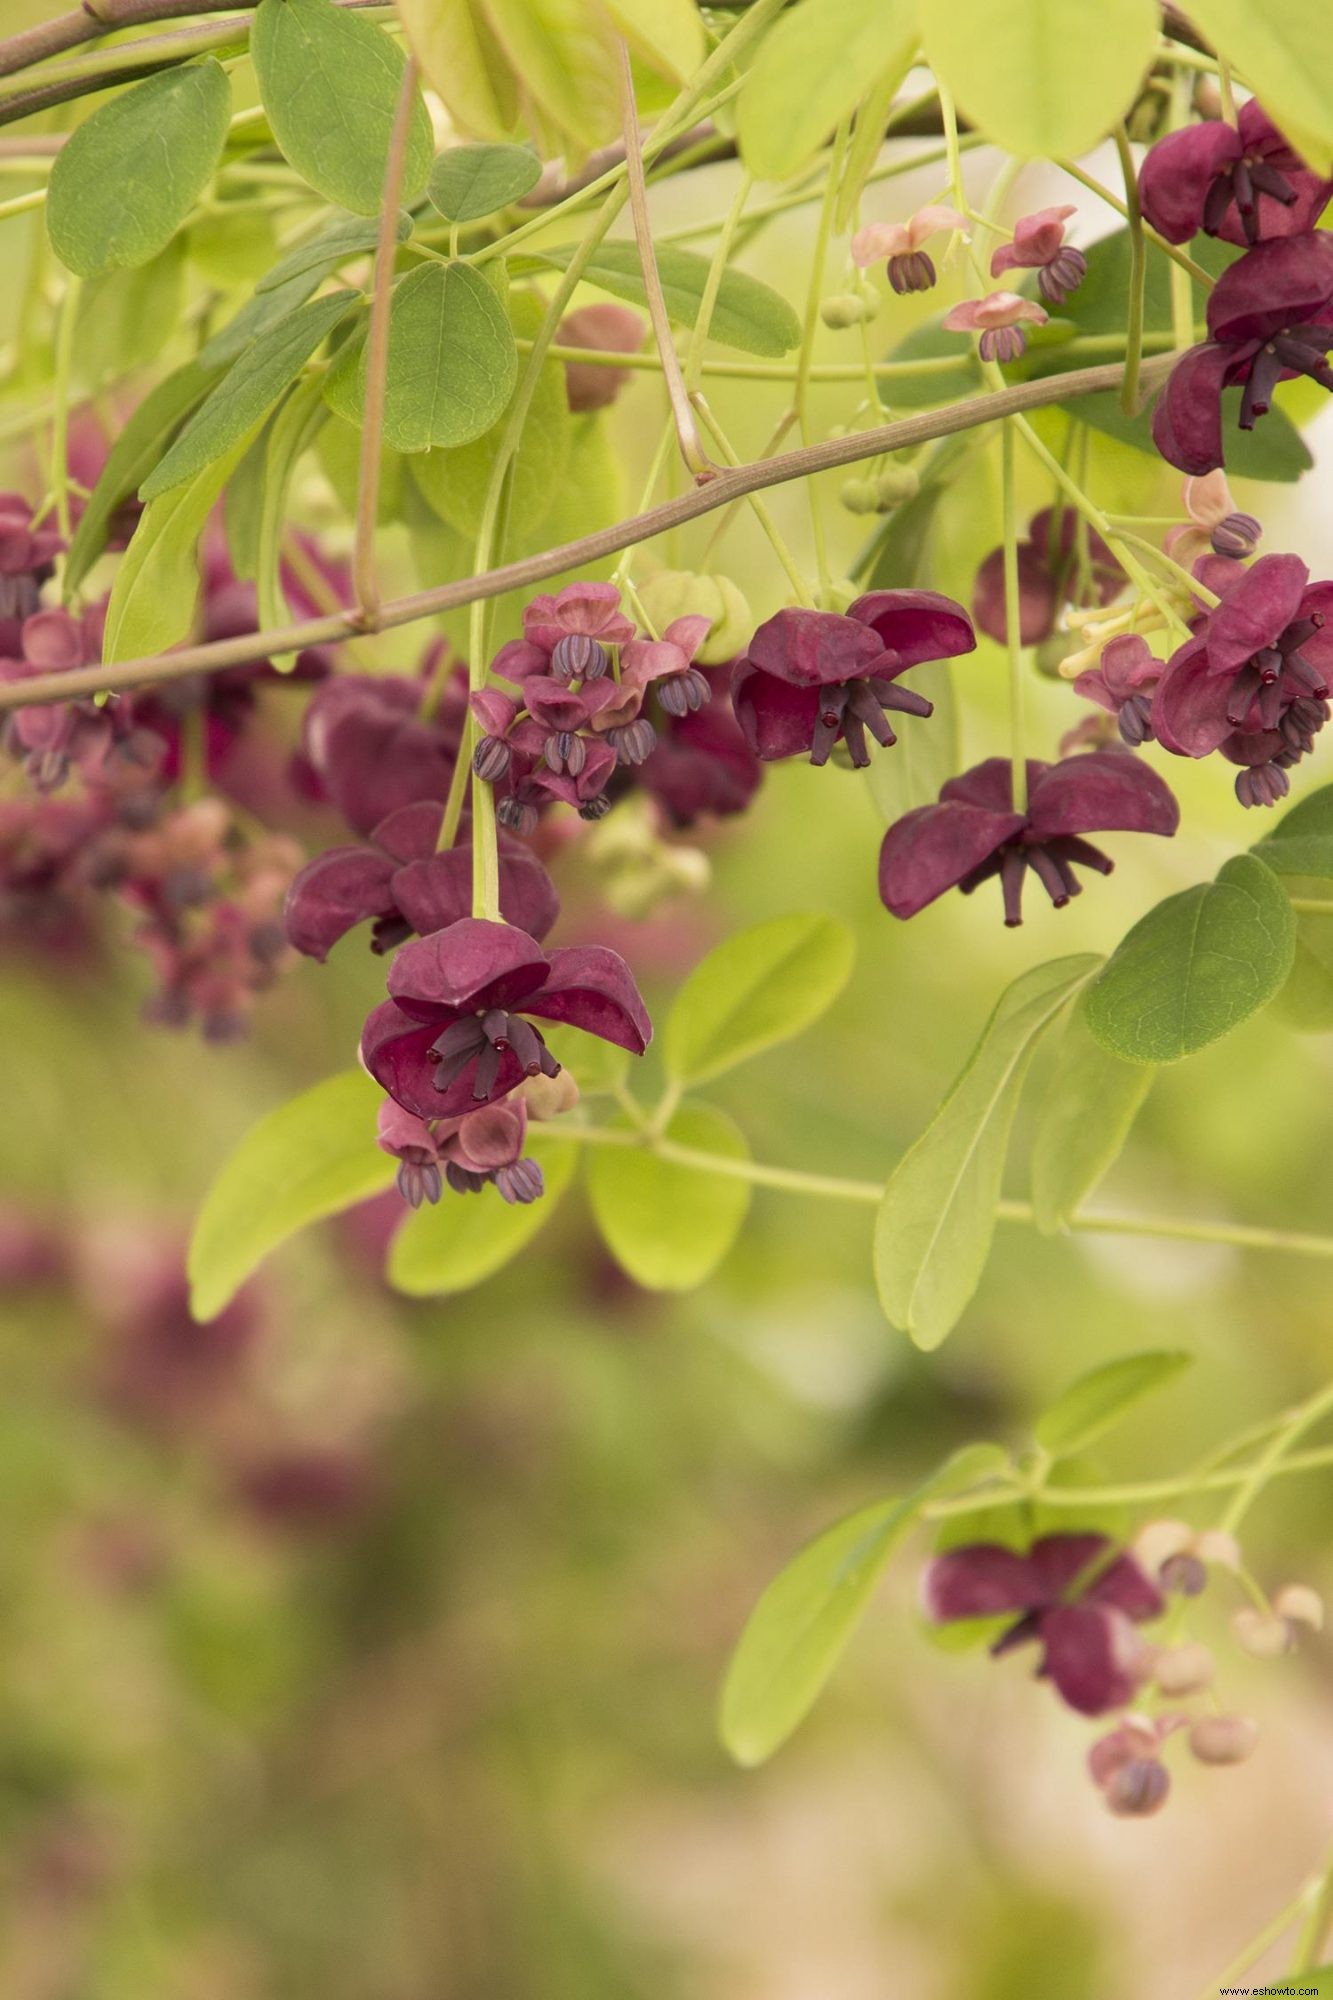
[{"x": 355, "y": 1649}]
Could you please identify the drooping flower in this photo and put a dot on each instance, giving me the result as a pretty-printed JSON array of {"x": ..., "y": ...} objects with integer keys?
[
  {"x": 1123, "y": 683},
  {"x": 401, "y": 886},
  {"x": 480, "y": 1148},
  {"x": 701, "y": 762},
  {"x": 999, "y": 318},
  {"x": 974, "y": 831},
  {"x": 1252, "y": 680},
  {"x": 1270, "y": 317},
  {"x": 1071, "y": 1594},
  {"x": 455, "y": 1033},
  {"x": 811, "y": 678},
  {"x": 1215, "y": 523},
  {"x": 1039, "y": 245},
  {"x": 567, "y": 635},
  {"x": 909, "y": 268},
  {"x": 369, "y": 749},
  {"x": 613, "y": 330},
  {"x": 1127, "y": 1768},
  {"x": 1056, "y": 566},
  {"x": 1241, "y": 182},
  {"x": 28, "y": 550}
]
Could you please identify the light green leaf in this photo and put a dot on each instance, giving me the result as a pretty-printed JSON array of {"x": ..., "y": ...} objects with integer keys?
[
  {"x": 339, "y": 452},
  {"x": 125, "y": 318},
  {"x": 666, "y": 34},
  {"x": 454, "y": 483},
  {"x": 563, "y": 61},
  {"x": 462, "y": 61},
  {"x": 330, "y": 83},
  {"x": 813, "y": 67},
  {"x": 748, "y": 313},
  {"x": 471, "y": 181},
  {"x": 336, "y": 245},
  {"x": 157, "y": 582},
  {"x": 136, "y": 450},
  {"x": 1304, "y": 834},
  {"x": 466, "y": 1238},
  {"x": 867, "y": 141},
  {"x": 1196, "y": 966},
  {"x": 1286, "y": 57},
  {"x": 312, "y": 1157},
  {"x": 247, "y": 392},
  {"x": 231, "y": 245},
  {"x": 242, "y": 504},
  {"x": 1099, "y": 1399},
  {"x": 1307, "y": 854},
  {"x": 668, "y": 1225},
  {"x": 1048, "y": 78},
  {"x": 597, "y": 1067},
  {"x": 452, "y": 361},
  {"x": 1092, "y": 1102},
  {"x": 759, "y": 987},
  {"x": 935, "y": 1223},
  {"x": 126, "y": 179}
]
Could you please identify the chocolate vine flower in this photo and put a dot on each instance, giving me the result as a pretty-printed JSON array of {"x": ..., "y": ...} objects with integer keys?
[
  {"x": 612, "y": 329},
  {"x": 369, "y": 748},
  {"x": 1252, "y": 680},
  {"x": 909, "y": 268},
  {"x": 974, "y": 832},
  {"x": 1123, "y": 682},
  {"x": 701, "y": 762},
  {"x": 1056, "y": 566},
  {"x": 1241, "y": 182},
  {"x": 999, "y": 319},
  {"x": 1270, "y": 317},
  {"x": 567, "y": 635},
  {"x": 27, "y": 560},
  {"x": 401, "y": 886},
  {"x": 479, "y": 1149},
  {"x": 1039, "y": 245},
  {"x": 811, "y": 678},
  {"x": 1074, "y": 1596},
  {"x": 455, "y": 1033}
]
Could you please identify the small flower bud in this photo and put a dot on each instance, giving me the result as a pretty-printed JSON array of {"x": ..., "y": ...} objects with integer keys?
[
  {"x": 1218, "y": 1549},
  {"x": 490, "y": 759},
  {"x": 549, "y": 1096},
  {"x": 521, "y": 1183},
  {"x": 1156, "y": 1540},
  {"x": 1300, "y": 1605},
  {"x": 1263, "y": 785},
  {"x": 845, "y": 309},
  {"x": 517, "y": 815},
  {"x": 595, "y": 809},
  {"x": 1138, "y": 1789},
  {"x": 1262, "y": 1635},
  {"x": 1223, "y": 1739},
  {"x": 1183, "y": 1669},
  {"x": 912, "y": 271},
  {"x": 633, "y": 741},
  {"x": 682, "y": 593},
  {"x": 859, "y": 496},
  {"x": 1184, "y": 1573},
  {"x": 565, "y": 751},
  {"x": 895, "y": 484},
  {"x": 1238, "y": 535}
]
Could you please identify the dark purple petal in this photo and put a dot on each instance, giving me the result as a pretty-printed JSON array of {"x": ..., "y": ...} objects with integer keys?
[
  {"x": 989, "y": 784},
  {"x": 815, "y": 648},
  {"x": 917, "y": 625},
  {"x": 435, "y": 893},
  {"x": 394, "y": 1048},
  {"x": 1038, "y": 599},
  {"x": 1093, "y": 1655},
  {"x": 332, "y": 894},
  {"x": 1189, "y": 710},
  {"x": 982, "y": 1580},
  {"x": 1060, "y": 1561},
  {"x": 409, "y": 833},
  {"x": 932, "y": 849},
  {"x": 1187, "y": 422},
  {"x": 1255, "y": 611},
  {"x": 1103, "y": 791},
  {"x": 592, "y": 988},
  {"x": 776, "y": 719},
  {"x": 1177, "y": 173},
  {"x": 472, "y": 964},
  {"x": 1272, "y": 287},
  {"x": 1124, "y": 1587}
]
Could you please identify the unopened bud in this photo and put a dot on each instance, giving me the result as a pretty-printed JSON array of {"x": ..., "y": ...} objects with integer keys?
[
  {"x": 897, "y": 483},
  {"x": 1184, "y": 1573},
  {"x": 1157, "y": 1540},
  {"x": 1137, "y": 1789},
  {"x": 1218, "y": 1549},
  {"x": 1183, "y": 1669},
  {"x": 859, "y": 496},
  {"x": 1300, "y": 1605},
  {"x": 845, "y": 309},
  {"x": 490, "y": 759},
  {"x": 1262, "y": 1635},
  {"x": 1223, "y": 1739},
  {"x": 549, "y": 1096},
  {"x": 682, "y": 593}
]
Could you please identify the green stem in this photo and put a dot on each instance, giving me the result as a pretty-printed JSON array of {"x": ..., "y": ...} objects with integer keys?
[
  {"x": 1012, "y": 623},
  {"x": 1311, "y": 906},
  {"x": 69, "y": 312},
  {"x": 713, "y": 284},
  {"x": 1133, "y": 1493},
  {"x": 1310, "y": 1943},
  {"x": 1182, "y": 298},
  {"x": 19, "y": 204},
  {"x": 757, "y": 507},
  {"x": 1138, "y": 272},
  {"x": 1296, "y": 1425},
  {"x": 1171, "y": 250}
]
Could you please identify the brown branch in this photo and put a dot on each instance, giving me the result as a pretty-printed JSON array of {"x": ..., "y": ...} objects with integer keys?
[{"x": 729, "y": 485}]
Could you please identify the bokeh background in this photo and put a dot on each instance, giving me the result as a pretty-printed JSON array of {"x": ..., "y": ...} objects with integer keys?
[{"x": 366, "y": 1649}]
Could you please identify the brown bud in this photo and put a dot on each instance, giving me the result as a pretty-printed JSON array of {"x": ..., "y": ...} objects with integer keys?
[
  {"x": 1223, "y": 1739},
  {"x": 613, "y": 330},
  {"x": 1138, "y": 1788}
]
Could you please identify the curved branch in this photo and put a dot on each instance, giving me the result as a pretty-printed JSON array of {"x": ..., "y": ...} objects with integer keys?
[{"x": 720, "y": 492}]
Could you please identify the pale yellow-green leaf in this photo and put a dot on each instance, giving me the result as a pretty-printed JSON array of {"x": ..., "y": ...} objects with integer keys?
[
  {"x": 813, "y": 67},
  {"x": 462, "y": 61},
  {"x": 562, "y": 56},
  {"x": 666, "y": 34},
  {"x": 1285, "y": 54},
  {"x": 465, "y": 1238}
]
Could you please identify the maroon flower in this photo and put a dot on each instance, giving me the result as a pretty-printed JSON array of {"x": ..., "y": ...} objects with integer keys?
[
  {"x": 1039, "y": 245},
  {"x": 567, "y": 635},
  {"x": 369, "y": 748},
  {"x": 453, "y": 1033},
  {"x": 1123, "y": 683},
  {"x": 1253, "y": 678},
  {"x": 27, "y": 560},
  {"x": 702, "y": 763},
  {"x": 482, "y": 1148},
  {"x": 1241, "y": 182},
  {"x": 401, "y": 885},
  {"x": 999, "y": 320},
  {"x": 1049, "y": 577},
  {"x": 814, "y": 677},
  {"x": 1269, "y": 318},
  {"x": 1076, "y": 1598},
  {"x": 610, "y": 329},
  {"x": 974, "y": 832}
]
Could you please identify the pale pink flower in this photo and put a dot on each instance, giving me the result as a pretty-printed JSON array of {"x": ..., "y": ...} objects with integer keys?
[
  {"x": 909, "y": 268},
  {"x": 998, "y": 318}
]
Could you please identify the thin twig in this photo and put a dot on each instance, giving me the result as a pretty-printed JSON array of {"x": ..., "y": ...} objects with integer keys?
[
  {"x": 365, "y": 579},
  {"x": 697, "y": 461},
  {"x": 964, "y": 415}
]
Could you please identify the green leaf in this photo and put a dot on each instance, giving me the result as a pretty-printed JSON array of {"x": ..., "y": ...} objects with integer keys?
[
  {"x": 935, "y": 1223},
  {"x": 157, "y": 584},
  {"x": 312, "y": 1157},
  {"x": 867, "y": 142},
  {"x": 464, "y": 1239},
  {"x": 668, "y": 1225},
  {"x": 291, "y": 431},
  {"x": 1299, "y": 848},
  {"x": 452, "y": 360},
  {"x": 1099, "y": 1399},
  {"x": 471, "y": 181},
  {"x": 1196, "y": 966},
  {"x": 597, "y": 1067},
  {"x": 666, "y": 34},
  {"x": 1274, "y": 450},
  {"x": 757, "y": 988},
  {"x": 330, "y": 84},
  {"x": 242, "y": 505},
  {"x": 136, "y": 450},
  {"x": 247, "y": 392},
  {"x": 462, "y": 61},
  {"x": 1286, "y": 58},
  {"x": 1092, "y": 1102},
  {"x": 748, "y": 313},
  {"x": 336, "y": 245},
  {"x": 126, "y": 179},
  {"x": 1048, "y": 78},
  {"x": 813, "y": 68},
  {"x": 1307, "y": 854},
  {"x": 255, "y": 317},
  {"x": 125, "y": 318},
  {"x": 455, "y": 483},
  {"x": 563, "y": 63},
  {"x": 339, "y": 453}
]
